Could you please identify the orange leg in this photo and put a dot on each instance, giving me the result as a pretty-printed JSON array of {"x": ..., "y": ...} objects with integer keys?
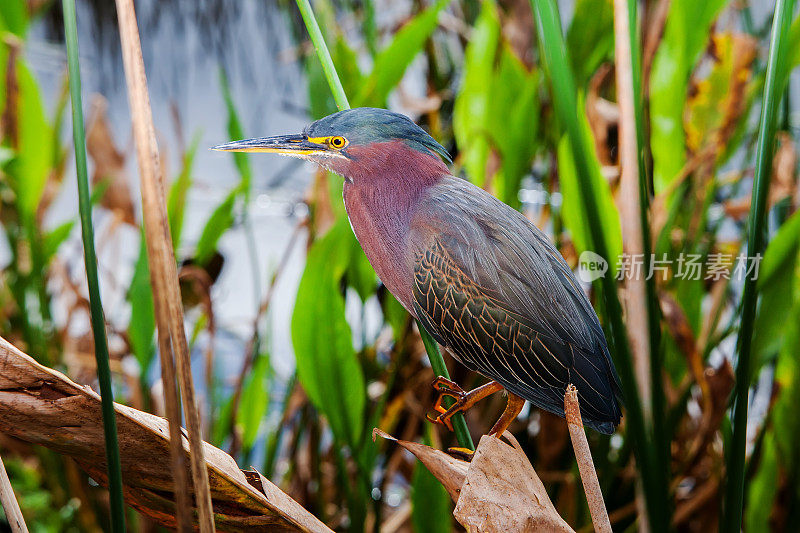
[
  {"x": 513, "y": 408},
  {"x": 464, "y": 400}
]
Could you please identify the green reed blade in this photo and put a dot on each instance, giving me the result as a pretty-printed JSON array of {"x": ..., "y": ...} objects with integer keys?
[
  {"x": 437, "y": 364},
  {"x": 773, "y": 88},
  {"x": 324, "y": 56},
  {"x": 90, "y": 259}
]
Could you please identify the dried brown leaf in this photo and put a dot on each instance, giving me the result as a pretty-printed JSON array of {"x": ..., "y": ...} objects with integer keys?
[
  {"x": 498, "y": 491},
  {"x": 718, "y": 101},
  {"x": 503, "y": 493},
  {"x": 42, "y": 406},
  {"x": 784, "y": 178},
  {"x": 109, "y": 163},
  {"x": 450, "y": 472}
]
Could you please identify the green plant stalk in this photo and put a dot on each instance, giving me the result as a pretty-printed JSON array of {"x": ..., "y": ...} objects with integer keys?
[
  {"x": 324, "y": 56},
  {"x": 90, "y": 258},
  {"x": 439, "y": 368},
  {"x": 435, "y": 356},
  {"x": 554, "y": 55},
  {"x": 734, "y": 486}
]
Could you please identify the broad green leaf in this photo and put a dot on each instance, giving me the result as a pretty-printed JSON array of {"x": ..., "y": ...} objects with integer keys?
[
  {"x": 31, "y": 166},
  {"x": 320, "y": 98},
  {"x": 779, "y": 461},
  {"x": 776, "y": 282},
  {"x": 572, "y": 210},
  {"x": 392, "y": 62},
  {"x": 793, "y": 57},
  {"x": 176, "y": 203},
  {"x": 346, "y": 63},
  {"x": 13, "y": 17},
  {"x": 513, "y": 123},
  {"x": 395, "y": 315},
  {"x": 55, "y": 238},
  {"x": 254, "y": 401},
  {"x": 472, "y": 107},
  {"x": 763, "y": 488},
  {"x": 690, "y": 294},
  {"x": 685, "y": 36},
  {"x": 235, "y": 131},
  {"x": 360, "y": 274},
  {"x": 142, "y": 325},
  {"x": 590, "y": 38},
  {"x": 327, "y": 365},
  {"x": 496, "y": 109},
  {"x": 787, "y": 380},
  {"x": 219, "y": 222}
]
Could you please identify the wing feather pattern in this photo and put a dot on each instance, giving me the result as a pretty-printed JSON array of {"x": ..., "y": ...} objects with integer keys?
[{"x": 492, "y": 288}]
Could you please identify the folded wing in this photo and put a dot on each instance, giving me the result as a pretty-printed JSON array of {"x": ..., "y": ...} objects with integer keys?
[{"x": 492, "y": 288}]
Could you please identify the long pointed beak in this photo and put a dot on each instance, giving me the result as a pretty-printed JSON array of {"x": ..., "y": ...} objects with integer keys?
[{"x": 297, "y": 145}]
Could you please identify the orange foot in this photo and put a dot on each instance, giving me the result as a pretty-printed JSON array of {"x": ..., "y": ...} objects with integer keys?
[{"x": 463, "y": 400}]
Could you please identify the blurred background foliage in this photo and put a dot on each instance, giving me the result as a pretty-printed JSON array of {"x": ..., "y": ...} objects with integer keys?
[{"x": 470, "y": 72}]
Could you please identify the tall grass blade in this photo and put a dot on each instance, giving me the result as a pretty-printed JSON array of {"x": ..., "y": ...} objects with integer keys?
[
  {"x": 435, "y": 356},
  {"x": 117, "y": 503},
  {"x": 323, "y": 54},
  {"x": 565, "y": 101},
  {"x": 773, "y": 88}
]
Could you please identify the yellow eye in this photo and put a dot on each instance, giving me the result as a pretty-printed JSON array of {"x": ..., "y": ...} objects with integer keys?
[{"x": 338, "y": 142}]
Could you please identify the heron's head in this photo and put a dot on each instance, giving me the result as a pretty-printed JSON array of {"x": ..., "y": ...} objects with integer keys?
[{"x": 354, "y": 142}]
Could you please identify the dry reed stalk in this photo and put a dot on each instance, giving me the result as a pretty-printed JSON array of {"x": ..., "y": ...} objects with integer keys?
[
  {"x": 635, "y": 300},
  {"x": 164, "y": 278},
  {"x": 635, "y": 288},
  {"x": 594, "y": 497},
  {"x": 9, "y": 502}
]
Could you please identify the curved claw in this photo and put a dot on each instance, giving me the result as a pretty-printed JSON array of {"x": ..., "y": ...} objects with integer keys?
[
  {"x": 440, "y": 420},
  {"x": 463, "y": 400},
  {"x": 444, "y": 385}
]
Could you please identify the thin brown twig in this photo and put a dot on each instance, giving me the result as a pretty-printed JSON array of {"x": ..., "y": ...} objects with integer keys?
[
  {"x": 200, "y": 278},
  {"x": 164, "y": 277},
  {"x": 594, "y": 496},
  {"x": 700, "y": 497},
  {"x": 9, "y": 501}
]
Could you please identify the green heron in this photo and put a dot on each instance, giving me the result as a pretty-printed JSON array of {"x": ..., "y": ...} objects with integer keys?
[{"x": 480, "y": 277}]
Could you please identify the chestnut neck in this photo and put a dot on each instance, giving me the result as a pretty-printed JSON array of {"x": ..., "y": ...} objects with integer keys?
[
  {"x": 384, "y": 183},
  {"x": 390, "y": 176}
]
